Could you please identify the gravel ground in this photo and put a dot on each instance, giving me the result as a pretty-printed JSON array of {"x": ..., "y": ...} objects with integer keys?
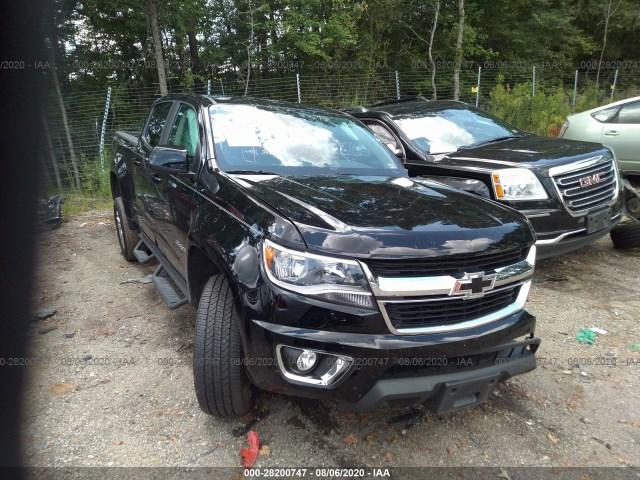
[{"x": 110, "y": 380}]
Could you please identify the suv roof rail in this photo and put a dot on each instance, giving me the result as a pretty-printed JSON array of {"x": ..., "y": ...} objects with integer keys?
[{"x": 395, "y": 100}]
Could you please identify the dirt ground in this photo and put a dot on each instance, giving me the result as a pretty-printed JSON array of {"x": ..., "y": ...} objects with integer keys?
[{"x": 110, "y": 380}]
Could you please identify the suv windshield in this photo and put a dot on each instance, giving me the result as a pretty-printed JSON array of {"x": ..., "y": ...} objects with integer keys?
[
  {"x": 450, "y": 129},
  {"x": 296, "y": 141}
]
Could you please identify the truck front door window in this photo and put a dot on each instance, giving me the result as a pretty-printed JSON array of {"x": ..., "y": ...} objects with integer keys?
[
  {"x": 184, "y": 132},
  {"x": 157, "y": 120}
]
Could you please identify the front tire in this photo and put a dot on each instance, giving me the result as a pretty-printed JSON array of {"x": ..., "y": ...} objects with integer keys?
[
  {"x": 127, "y": 237},
  {"x": 221, "y": 383},
  {"x": 626, "y": 236}
]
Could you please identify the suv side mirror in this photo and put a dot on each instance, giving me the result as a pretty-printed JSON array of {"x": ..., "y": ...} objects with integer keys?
[{"x": 169, "y": 161}]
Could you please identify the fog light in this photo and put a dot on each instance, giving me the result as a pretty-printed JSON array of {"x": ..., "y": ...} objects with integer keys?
[
  {"x": 313, "y": 367},
  {"x": 306, "y": 361}
]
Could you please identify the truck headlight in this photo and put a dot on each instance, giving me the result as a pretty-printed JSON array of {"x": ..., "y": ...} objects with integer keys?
[
  {"x": 517, "y": 184},
  {"x": 331, "y": 279}
]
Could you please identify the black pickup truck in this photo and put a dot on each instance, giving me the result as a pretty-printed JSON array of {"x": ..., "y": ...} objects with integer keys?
[
  {"x": 571, "y": 191},
  {"x": 318, "y": 267}
]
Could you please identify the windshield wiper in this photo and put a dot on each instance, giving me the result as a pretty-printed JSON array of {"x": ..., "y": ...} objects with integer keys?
[{"x": 487, "y": 142}]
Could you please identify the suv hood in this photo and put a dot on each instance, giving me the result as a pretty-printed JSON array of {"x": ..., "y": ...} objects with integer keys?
[
  {"x": 538, "y": 153},
  {"x": 389, "y": 217}
]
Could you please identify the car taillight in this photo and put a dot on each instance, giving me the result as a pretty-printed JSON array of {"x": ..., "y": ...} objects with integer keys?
[{"x": 563, "y": 129}]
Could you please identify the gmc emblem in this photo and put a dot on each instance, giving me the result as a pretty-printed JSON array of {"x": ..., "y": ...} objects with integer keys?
[{"x": 591, "y": 179}]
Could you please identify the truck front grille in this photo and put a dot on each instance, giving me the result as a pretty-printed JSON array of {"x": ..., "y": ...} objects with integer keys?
[
  {"x": 450, "y": 293},
  {"x": 447, "y": 311},
  {"x": 454, "y": 265},
  {"x": 588, "y": 187}
]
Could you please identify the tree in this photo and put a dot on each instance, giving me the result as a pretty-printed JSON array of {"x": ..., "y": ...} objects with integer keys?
[
  {"x": 157, "y": 45},
  {"x": 609, "y": 11},
  {"x": 429, "y": 43},
  {"x": 458, "y": 58}
]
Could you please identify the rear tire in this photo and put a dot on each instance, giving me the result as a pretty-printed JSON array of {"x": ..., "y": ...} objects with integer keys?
[
  {"x": 626, "y": 235},
  {"x": 127, "y": 237},
  {"x": 221, "y": 383}
]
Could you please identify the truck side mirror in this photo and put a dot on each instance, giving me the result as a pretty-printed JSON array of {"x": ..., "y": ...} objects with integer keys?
[{"x": 168, "y": 160}]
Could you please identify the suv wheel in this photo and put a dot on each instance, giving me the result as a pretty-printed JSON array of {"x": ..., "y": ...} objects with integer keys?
[
  {"x": 127, "y": 237},
  {"x": 221, "y": 383},
  {"x": 626, "y": 235}
]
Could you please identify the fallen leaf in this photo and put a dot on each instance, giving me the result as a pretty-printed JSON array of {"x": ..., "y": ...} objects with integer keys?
[
  {"x": 370, "y": 438},
  {"x": 249, "y": 455},
  {"x": 450, "y": 451},
  {"x": 461, "y": 443},
  {"x": 504, "y": 474},
  {"x": 635, "y": 423},
  {"x": 350, "y": 440},
  {"x": 116, "y": 442},
  {"x": 265, "y": 451},
  {"x": 365, "y": 419},
  {"x": 60, "y": 388},
  {"x": 348, "y": 415},
  {"x": 623, "y": 461},
  {"x": 387, "y": 457},
  {"x": 623, "y": 420},
  {"x": 553, "y": 438}
]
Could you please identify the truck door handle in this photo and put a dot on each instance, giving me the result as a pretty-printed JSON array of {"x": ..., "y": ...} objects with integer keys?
[
  {"x": 611, "y": 133},
  {"x": 156, "y": 178},
  {"x": 136, "y": 162}
]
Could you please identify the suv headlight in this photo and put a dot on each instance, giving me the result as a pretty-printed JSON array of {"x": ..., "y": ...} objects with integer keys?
[
  {"x": 331, "y": 279},
  {"x": 517, "y": 184}
]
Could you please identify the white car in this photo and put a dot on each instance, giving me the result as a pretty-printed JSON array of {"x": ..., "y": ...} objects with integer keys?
[{"x": 616, "y": 125}]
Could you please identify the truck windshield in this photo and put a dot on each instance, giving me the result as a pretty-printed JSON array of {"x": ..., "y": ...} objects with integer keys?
[
  {"x": 294, "y": 141},
  {"x": 446, "y": 130}
]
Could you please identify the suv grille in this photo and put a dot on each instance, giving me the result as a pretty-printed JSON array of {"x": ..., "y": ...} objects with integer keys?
[
  {"x": 579, "y": 196},
  {"x": 448, "y": 311},
  {"x": 454, "y": 265}
]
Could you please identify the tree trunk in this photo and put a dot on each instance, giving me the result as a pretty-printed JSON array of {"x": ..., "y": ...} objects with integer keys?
[
  {"x": 432, "y": 63},
  {"x": 246, "y": 85},
  {"x": 249, "y": 49},
  {"x": 157, "y": 45},
  {"x": 607, "y": 16},
  {"x": 52, "y": 153},
  {"x": 195, "y": 61},
  {"x": 65, "y": 122},
  {"x": 458, "y": 60}
]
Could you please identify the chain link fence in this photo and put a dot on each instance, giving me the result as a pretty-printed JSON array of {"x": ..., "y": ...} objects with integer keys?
[{"x": 90, "y": 118}]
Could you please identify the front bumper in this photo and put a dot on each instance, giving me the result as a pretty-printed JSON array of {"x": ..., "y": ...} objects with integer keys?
[
  {"x": 453, "y": 391},
  {"x": 391, "y": 368},
  {"x": 558, "y": 232},
  {"x": 572, "y": 240}
]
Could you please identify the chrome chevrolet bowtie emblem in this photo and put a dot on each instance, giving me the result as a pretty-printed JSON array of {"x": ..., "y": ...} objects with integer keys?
[{"x": 473, "y": 285}]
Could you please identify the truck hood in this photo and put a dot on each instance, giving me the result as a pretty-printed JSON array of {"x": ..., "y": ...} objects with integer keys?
[
  {"x": 388, "y": 217},
  {"x": 537, "y": 153}
]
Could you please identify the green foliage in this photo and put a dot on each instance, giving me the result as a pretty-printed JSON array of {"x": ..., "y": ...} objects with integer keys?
[
  {"x": 542, "y": 113},
  {"x": 96, "y": 191},
  {"x": 100, "y": 42},
  {"x": 93, "y": 180},
  {"x": 75, "y": 203}
]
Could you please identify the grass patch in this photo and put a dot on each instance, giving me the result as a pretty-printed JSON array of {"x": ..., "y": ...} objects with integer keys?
[{"x": 75, "y": 203}]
